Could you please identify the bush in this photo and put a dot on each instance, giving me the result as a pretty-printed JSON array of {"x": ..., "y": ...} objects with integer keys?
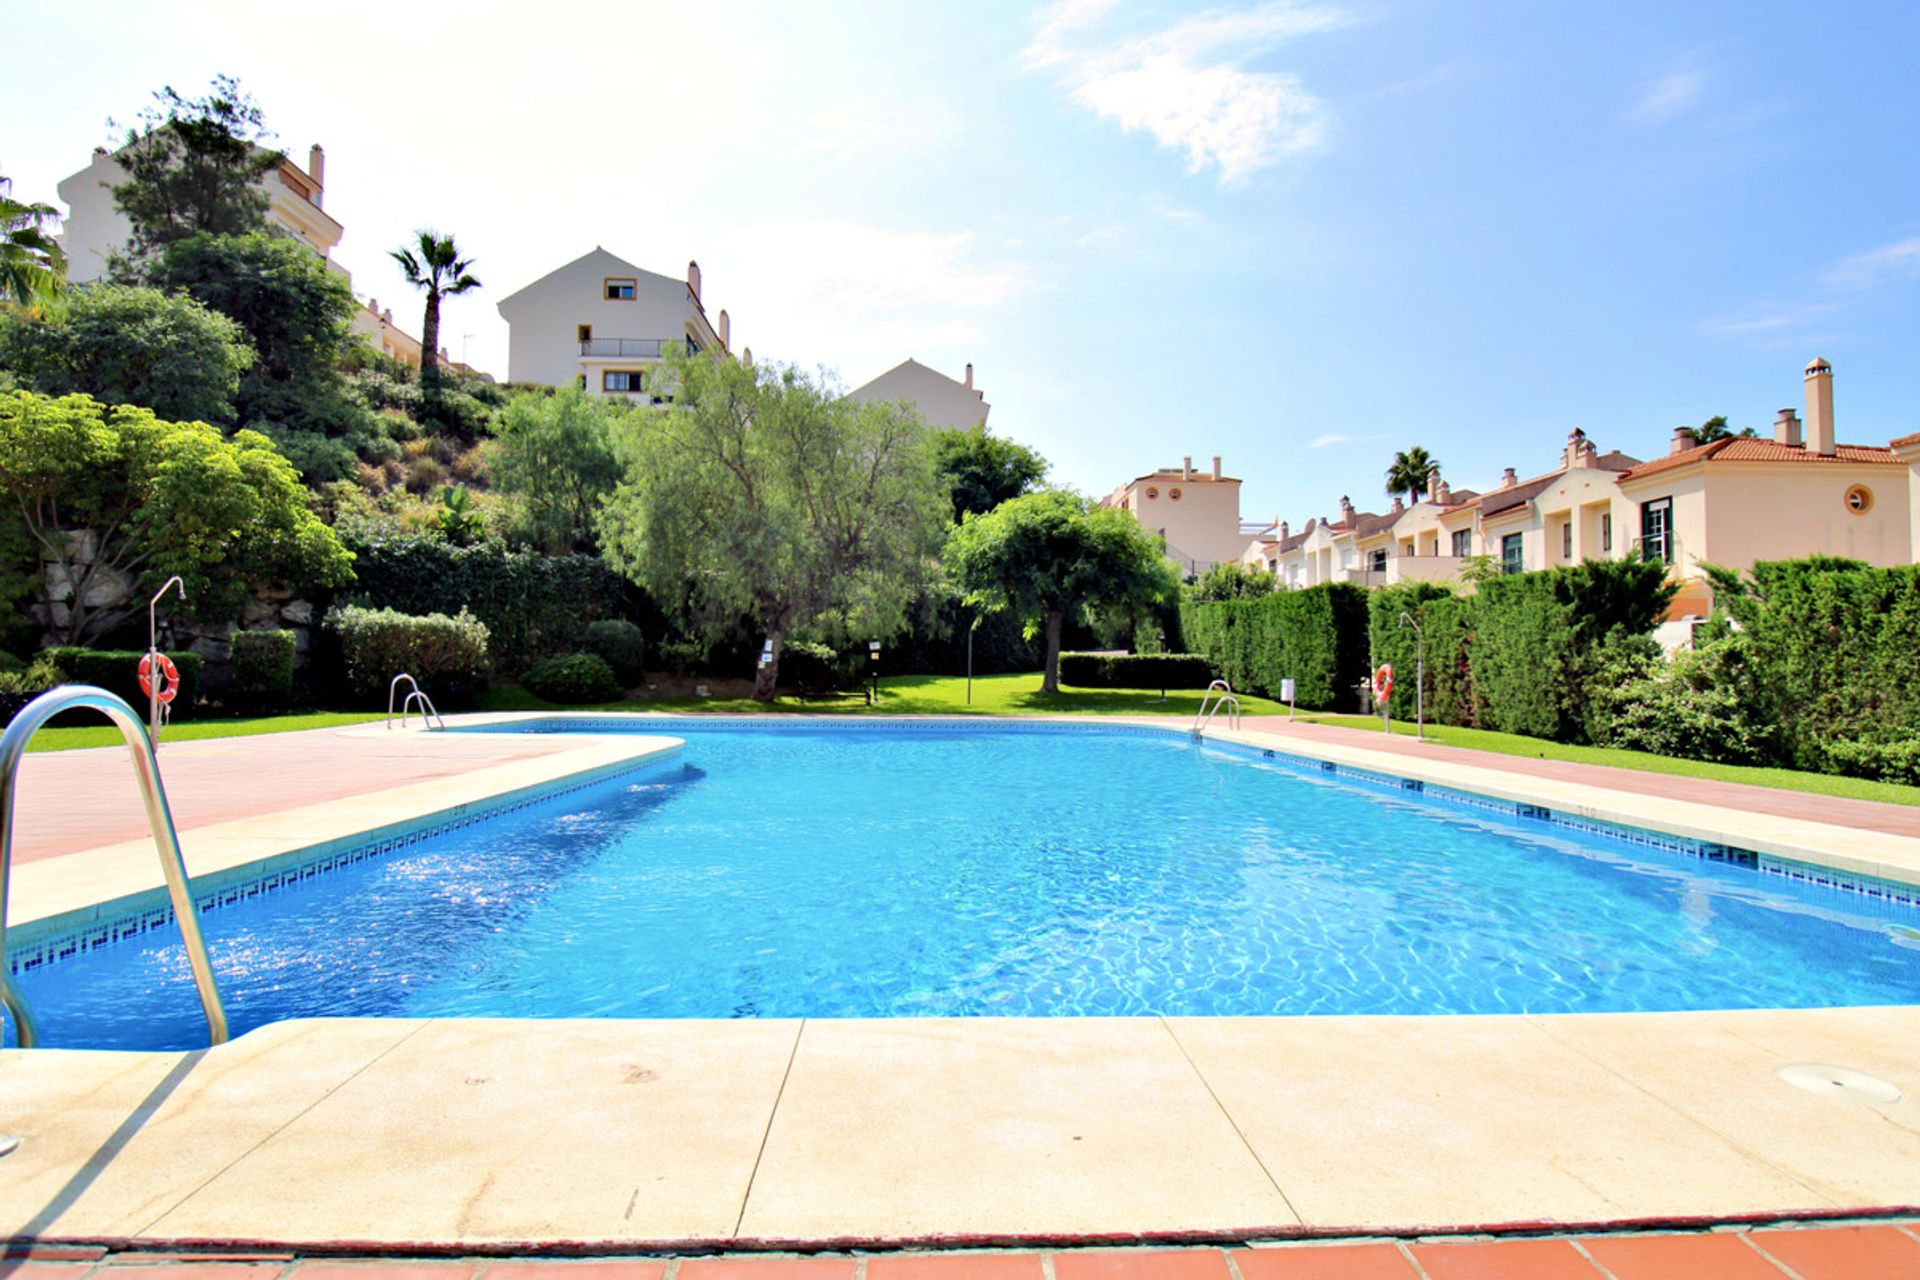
[
  {"x": 446, "y": 655},
  {"x": 117, "y": 671},
  {"x": 814, "y": 669},
  {"x": 573, "y": 677},
  {"x": 1135, "y": 670},
  {"x": 533, "y": 605},
  {"x": 1316, "y": 637},
  {"x": 621, "y": 644},
  {"x": 1696, "y": 706},
  {"x": 1886, "y": 761},
  {"x": 21, "y": 684},
  {"x": 262, "y": 670}
]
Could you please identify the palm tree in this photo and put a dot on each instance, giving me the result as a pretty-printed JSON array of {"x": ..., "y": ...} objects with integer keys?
[
  {"x": 32, "y": 267},
  {"x": 1410, "y": 472},
  {"x": 438, "y": 268}
]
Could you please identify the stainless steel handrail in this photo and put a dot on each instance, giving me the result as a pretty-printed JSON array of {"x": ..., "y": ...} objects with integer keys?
[
  {"x": 427, "y": 712},
  {"x": 1204, "y": 716},
  {"x": 146, "y": 767}
]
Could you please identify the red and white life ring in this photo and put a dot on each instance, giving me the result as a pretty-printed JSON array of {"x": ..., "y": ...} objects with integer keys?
[
  {"x": 169, "y": 677},
  {"x": 1383, "y": 682}
]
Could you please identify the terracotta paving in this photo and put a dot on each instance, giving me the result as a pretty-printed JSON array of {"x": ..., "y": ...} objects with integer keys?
[
  {"x": 73, "y": 800},
  {"x": 1865, "y": 815},
  {"x": 1870, "y": 1251}
]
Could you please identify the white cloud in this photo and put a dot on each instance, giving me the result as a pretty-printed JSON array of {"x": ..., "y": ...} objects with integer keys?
[
  {"x": 1876, "y": 266},
  {"x": 1328, "y": 440},
  {"x": 1670, "y": 93},
  {"x": 1187, "y": 85},
  {"x": 881, "y": 294}
]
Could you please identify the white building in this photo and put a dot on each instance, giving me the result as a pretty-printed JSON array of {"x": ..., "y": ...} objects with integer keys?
[
  {"x": 942, "y": 401},
  {"x": 599, "y": 322},
  {"x": 1197, "y": 512}
]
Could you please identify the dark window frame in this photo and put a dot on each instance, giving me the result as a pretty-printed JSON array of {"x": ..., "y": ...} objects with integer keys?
[
  {"x": 636, "y": 382},
  {"x": 619, "y": 288},
  {"x": 1513, "y": 553},
  {"x": 1657, "y": 545}
]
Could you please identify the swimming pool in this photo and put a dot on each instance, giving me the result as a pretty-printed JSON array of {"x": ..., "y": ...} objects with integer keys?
[{"x": 827, "y": 869}]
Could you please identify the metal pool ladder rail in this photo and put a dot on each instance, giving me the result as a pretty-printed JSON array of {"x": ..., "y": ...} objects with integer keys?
[
  {"x": 146, "y": 768},
  {"x": 1204, "y": 716},
  {"x": 428, "y": 716}
]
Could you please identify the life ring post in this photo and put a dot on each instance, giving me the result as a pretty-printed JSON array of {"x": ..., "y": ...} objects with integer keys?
[{"x": 148, "y": 686}]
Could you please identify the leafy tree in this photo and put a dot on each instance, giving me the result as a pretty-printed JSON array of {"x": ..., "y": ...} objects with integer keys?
[
  {"x": 118, "y": 495},
  {"x": 983, "y": 470},
  {"x": 438, "y": 269},
  {"x": 757, "y": 494},
  {"x": 555, "y": 455},
  {"x": 458, "y": 519},
  {"x": 32, "y": 265},
  {"x": 1052, "y": 555},
  {"x": 126, "y": 345},
  {"x": 1410, "y": 472},
  {"x": 296, "y": 314},
  {"x": 1231, "y": 580},
  {"x": 1716, "y": 428},
  {"x": 194, "y": 166}
]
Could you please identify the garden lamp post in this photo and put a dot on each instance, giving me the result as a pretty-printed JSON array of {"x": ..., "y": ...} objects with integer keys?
[
  {"x": 1419, "y": 677},
  {"x": 873, "y": 669},
  {"x": 1160, "y": 647}
]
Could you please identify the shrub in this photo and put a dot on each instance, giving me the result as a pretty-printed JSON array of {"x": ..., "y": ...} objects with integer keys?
[
  {"x": 621, "y": 644},
  {"x": 573, "y": 677},
  {"x": 1135, "y": 670},
  {"x": 262, "y": 670},
  {"x": 814, "y": 669},
  {"x": 1316, "y": 637},
  {"x": 446, "y": 655},
  {"x": 117, "y": 671},
  {"x": 1886, "y": 761},
  {"x": 22, "y": 683},
  {"x": 1696, "y": 706}
]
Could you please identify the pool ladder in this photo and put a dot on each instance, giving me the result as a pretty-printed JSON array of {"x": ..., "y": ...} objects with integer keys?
[
  {"x": 1225, "y": 698},
  {"x": 417, "y": 698},
  {"x": 146, "y": 768}
]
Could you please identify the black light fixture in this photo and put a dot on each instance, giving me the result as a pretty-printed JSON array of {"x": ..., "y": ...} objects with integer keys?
[{"x": 873, "y": 670}]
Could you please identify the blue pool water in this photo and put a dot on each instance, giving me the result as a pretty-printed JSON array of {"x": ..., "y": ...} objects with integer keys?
[{"x": 873, "y": 872}]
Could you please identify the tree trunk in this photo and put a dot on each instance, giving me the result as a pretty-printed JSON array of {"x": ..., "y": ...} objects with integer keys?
[
  {"x": 1050, "y": 680},
  {"x": 767, "y": 675},
  {"x": 430, "y": 342}
]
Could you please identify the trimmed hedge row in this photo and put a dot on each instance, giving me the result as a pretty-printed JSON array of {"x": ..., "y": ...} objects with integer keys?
[
  {"x": 533, "y": 605},
  {"x": 117, "y": 671},
  {"x": 262, "y": 676},
  {"x": 446, "y": 655},
  {"x": 573, "y": 678},
  {"x": 1317, "y": 637},
  {"x": 1135, "y": 670}
]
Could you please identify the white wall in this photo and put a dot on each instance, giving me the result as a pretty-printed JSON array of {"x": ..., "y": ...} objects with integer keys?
[{"x": 543, "y": 319}]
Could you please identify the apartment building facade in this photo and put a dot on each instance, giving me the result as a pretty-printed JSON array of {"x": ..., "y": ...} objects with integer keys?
[
  {"x": 1196, "y": 512},
  {"x": 942, "y": 401},
  {"x": 603, "y": 324}
]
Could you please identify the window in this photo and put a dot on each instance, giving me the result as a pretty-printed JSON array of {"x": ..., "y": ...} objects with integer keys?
[
  {"x": 1566, "y": 540},
  {"x": 584, "y": 333},
  {"x": 1513, "y": 555},
  {"x": 625, "y": 381},
  {"x": 1379, "y": 564},
  {"x": 1173, "y": 494},
  {"x": 1153, "y": 491},
  {"x": 619, "y": 290},
  {"x": 1656, "y": 529},
  {"x": 1606, "y": 531},
  {"x": 1463, "y": 542},
  {"x": 582, "y": 378},
  {"x": 1859, "y": 499}
]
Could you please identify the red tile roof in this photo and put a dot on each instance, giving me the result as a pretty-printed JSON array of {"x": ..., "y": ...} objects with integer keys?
[
  {"x": 1904, "y": 441},
  {"x": 1748, "y": 449}
]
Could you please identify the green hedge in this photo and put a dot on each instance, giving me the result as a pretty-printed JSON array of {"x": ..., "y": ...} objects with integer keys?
[
  {"x": 533, "y": 605},
  {"x": 1135, "y": 670},
  {"x": 262, "y": 670},
  {"x": 1316, "y": 636},
  {"x": 446, "y": 655},
  {"x": 117, "y": 671},
  {"x": 573, "y": 678}
]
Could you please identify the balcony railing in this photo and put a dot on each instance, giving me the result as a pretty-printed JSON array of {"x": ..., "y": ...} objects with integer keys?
[{"x": 631, "y": 348}]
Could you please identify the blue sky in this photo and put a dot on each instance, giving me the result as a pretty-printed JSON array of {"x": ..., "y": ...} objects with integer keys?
[{"x": 1301, "y": 235}]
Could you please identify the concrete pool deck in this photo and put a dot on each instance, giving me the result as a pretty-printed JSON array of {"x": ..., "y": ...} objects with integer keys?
[{"x": 622, "y": 1136}]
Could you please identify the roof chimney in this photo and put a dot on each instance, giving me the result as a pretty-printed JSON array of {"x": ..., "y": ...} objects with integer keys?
[
  {"x": 1186, "y": 467},
  {"x": 1346, "y": 509},
  {"x": 1508, "y": 479},
  {"x": 1683, "y": 440},
  {"x": 1399, "y": 504},
  {"x": 968, "y": 384},
  {"x": 317, "y": 170},
  {"x": 1577, "y": 447},
  {"x": 1216, "y": 466},
  {"x": 1438, "y": 491},
  {"x": 1819, "y": 380},
  {"x": 726, "y": 327},
  {"x": 1786, "y": 429},
  {"x": 693, "y": 279},
  {"x": 1283, "y": 529}
]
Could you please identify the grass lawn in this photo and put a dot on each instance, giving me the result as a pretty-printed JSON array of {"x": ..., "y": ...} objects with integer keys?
[
  {"x": 919, "y": 695},
  {"x": 1513, "y": 744},
  {"x": 105, "y": 735}
]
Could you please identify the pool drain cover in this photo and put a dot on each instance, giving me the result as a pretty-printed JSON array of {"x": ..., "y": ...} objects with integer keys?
[{"x": 1839, "y": 1082}]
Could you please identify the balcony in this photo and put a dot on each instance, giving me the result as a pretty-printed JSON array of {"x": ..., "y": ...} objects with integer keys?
[{"x": 629, "y": 348}]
